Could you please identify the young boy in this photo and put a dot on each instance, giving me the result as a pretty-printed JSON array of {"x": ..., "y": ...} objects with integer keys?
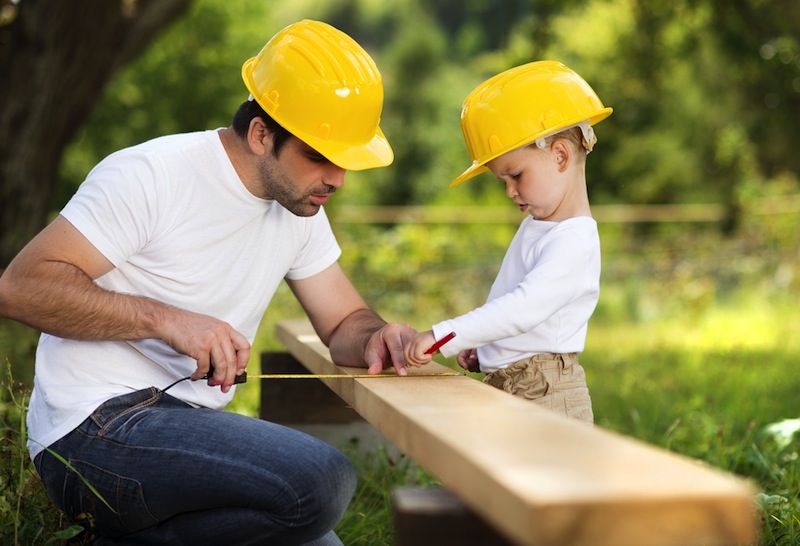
[{"x": 532, "y": 127}]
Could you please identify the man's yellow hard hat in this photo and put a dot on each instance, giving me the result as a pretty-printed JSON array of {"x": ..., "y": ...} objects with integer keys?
[
  {"x": 322, "y": 87},
  {"x": 521, "y": 105}
]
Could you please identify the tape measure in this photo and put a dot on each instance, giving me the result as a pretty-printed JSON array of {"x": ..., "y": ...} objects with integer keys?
[{"x": 243, "y": 377}]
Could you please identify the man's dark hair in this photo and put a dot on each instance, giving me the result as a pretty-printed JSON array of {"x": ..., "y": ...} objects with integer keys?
[{"x": 251, "y": 109}]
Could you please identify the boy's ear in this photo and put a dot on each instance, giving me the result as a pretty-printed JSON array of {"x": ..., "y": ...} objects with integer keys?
[
  {"x": 259, "y": 138},
  {"x": 562, "y": 152}
]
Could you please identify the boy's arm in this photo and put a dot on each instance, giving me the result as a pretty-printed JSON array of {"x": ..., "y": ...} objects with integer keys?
[
  {"x": 355, "y": 334},
  {"x": 50, "y": 287},
  {"x": 557, "y": 279}
]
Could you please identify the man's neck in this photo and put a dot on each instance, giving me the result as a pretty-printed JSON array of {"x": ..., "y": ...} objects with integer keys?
[{"x": 242, "y": 161}]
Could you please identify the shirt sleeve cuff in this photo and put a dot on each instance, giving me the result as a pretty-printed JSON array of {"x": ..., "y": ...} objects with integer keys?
[{"x": 451, "y": 348}]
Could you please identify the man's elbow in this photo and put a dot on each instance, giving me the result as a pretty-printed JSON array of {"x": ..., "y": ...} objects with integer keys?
[
  {"x": 8, "y": 303},
  {"x": 3, "y": 296}
]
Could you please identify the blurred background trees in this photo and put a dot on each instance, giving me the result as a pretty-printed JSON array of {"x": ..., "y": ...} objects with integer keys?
[
  {"x": 706, "y": 94},
  {"x": 706, "y": 98},
  {"x": 55, "y": 59}
]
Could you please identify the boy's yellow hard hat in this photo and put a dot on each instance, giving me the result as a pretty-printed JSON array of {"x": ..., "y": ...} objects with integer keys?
[
  {"x": 322, "y": 87},
  {"x": 520, "y": 105}
]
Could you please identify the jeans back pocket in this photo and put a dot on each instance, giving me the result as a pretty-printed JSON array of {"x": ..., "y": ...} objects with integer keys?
[{"x": 122, "y": 508}]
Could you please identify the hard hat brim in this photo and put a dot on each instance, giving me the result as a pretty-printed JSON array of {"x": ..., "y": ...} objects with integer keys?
[
  {"x": 472, "y": 171},
  {"x": 479, "y": 166},
  {"x": 370, "y": 155}
]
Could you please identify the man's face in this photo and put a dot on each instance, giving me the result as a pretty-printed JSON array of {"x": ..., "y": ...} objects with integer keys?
[{"x": 300, "y": 178}]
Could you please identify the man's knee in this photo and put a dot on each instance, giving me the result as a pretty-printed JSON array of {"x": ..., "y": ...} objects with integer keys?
[{"x": 336, "y": 483}]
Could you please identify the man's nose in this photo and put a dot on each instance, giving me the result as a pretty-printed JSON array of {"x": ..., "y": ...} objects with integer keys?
[{"x": 334, "y": 176}]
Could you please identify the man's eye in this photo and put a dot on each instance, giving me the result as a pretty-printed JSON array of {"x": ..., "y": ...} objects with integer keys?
[{"x": 316, "y": 158}]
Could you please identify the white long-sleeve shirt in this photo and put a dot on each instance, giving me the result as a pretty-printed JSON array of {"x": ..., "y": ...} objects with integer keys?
[{"x": 541, "y": 300}]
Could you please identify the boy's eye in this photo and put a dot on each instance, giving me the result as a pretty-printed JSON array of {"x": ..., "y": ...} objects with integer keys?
[{"x": 512, "y": 176}]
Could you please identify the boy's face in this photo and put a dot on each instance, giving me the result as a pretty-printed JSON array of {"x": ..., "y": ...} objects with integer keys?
[{"x": 540, "y": 182}]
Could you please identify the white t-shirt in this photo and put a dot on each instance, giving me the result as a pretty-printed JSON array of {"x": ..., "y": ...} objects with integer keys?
[
  {"x": 179, "y": 226},
  {"x": 541, "y": 300}
]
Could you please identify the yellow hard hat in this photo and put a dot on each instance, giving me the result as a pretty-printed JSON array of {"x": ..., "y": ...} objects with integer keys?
[
  {"x": 322, "y": 87},
  {"x": 521, "y": 105}
]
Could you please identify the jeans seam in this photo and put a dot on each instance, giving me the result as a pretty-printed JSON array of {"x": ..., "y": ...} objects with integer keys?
[
  {"x": 141, "y": 405},
  {"x": 296, "y": 500}
]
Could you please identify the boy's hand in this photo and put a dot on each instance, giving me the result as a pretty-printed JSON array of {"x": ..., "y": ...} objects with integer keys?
[
  {"x": 415, "y": 351},
  {"x": 468, "y": 359}
]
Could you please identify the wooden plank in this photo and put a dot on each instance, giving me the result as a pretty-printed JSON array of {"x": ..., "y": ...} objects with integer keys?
[{"x": 540, "y": 478}]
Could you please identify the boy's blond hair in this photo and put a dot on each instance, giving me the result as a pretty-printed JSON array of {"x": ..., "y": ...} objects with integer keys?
[{"x": 574, "y": 136}]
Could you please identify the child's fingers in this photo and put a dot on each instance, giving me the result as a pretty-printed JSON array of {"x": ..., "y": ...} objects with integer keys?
[
  {"x": 411, "y": 354},
  {"x": 419, "y": 359}
]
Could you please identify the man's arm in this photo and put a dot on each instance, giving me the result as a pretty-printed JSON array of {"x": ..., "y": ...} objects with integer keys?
[
  {"x": 49, "y": 286},
  {"x": 355, "y": 334}
]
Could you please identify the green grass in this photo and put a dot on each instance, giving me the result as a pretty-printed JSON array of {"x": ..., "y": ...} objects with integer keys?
[
  {"x": 689, "y": 349},
  {"x": 26, "y": 515},
  {"x": 711, "y": 385},
  {"x": 368, "y": 520}
]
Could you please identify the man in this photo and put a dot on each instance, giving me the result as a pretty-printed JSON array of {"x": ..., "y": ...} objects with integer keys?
[{"x": 161, "y": 265}]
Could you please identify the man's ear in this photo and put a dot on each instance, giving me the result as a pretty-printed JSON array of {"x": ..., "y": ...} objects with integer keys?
[
  {"x": 259, "y": 138},
  {"x": 562, "y": 152}
]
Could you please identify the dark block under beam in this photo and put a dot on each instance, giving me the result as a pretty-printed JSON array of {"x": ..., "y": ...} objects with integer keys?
[
  {"x": 435, "y": 517},
  {"x": 298, "y": 400}
]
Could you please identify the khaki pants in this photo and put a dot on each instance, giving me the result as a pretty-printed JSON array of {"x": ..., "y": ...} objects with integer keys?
[{"x": 553, "y": 380}]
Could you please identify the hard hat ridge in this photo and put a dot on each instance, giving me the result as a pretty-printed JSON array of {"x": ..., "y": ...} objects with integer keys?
[
  {"x": 325, "y": 89},
  {"x": 524, "y": 105}
]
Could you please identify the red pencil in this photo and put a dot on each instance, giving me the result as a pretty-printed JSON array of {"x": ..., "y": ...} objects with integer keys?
[{"x": 435, "y": 347}]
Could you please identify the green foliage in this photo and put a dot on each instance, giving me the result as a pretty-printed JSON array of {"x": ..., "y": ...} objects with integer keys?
[
  {"x": 26, "y": 515},
  {"x": 700, "y": 114},
  {"x": 17, "y": 347},
  {"x": 177, "y": 85},
  {"x": 413, "y": 270},
  {"x": 704, "y": 102}
]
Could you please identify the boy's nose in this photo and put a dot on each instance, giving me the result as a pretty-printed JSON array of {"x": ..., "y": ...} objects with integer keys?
[{"x": 511, "y": 190}]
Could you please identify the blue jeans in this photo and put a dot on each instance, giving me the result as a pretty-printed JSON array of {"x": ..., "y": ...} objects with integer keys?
[{"x": 174, "y": 474}]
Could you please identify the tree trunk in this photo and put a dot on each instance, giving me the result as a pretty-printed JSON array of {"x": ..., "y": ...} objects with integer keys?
[{"x": 55, "y": 60}]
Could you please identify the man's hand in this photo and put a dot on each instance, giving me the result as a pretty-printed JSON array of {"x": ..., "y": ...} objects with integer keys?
[
  {"x": 386, "y": 348},
  {"x": 355, "y": 334},
  {"x": 49, "y": 286},
  {"x": 209, "y": 341}
]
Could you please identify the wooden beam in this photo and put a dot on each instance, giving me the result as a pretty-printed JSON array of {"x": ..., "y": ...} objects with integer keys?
[{"x": 540, "y": 478}]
